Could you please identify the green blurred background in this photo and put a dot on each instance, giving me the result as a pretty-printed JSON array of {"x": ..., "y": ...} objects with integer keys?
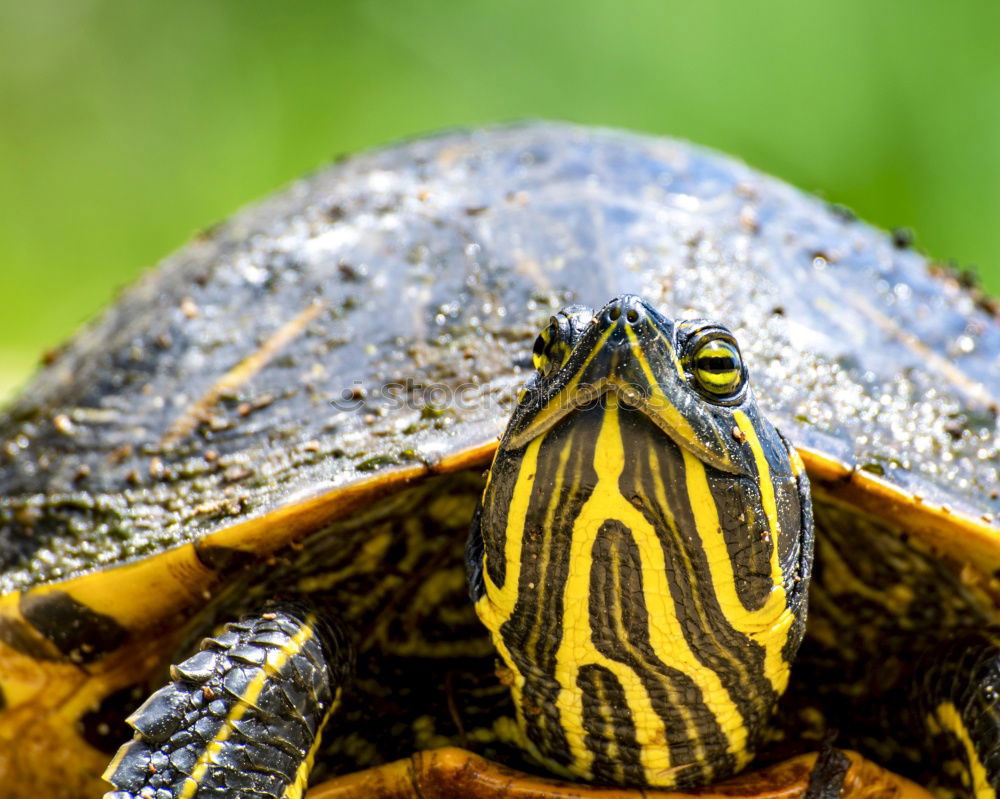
[{"x": 126, "y": 126}]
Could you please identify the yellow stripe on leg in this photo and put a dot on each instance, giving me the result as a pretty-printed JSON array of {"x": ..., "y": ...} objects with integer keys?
[{"x": 270, "y": 668}]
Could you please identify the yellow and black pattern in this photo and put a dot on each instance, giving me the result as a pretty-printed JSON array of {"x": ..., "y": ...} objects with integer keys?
[
  {"x": 956, "y": 695},
  {"x": 641, "y": 558},
  {"x": 242, "y": 717}
]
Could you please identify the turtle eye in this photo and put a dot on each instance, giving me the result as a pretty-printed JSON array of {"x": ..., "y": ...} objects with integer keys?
[
  {"x": 555, "y": 343},
  {"x": 539, "y": 353},
  {"x": 551, "y": 348},
  {"x": 717, "y": 367}
]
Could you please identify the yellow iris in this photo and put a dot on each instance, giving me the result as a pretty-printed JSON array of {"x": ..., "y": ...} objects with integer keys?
[
  {"x": 551, "y": 350},
  {"x": 718, "y": 367}
]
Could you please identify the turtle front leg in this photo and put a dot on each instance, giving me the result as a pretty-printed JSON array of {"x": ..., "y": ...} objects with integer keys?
[
  {"x": 956, "y": 700},
  {"x": 242, "y": 717}
]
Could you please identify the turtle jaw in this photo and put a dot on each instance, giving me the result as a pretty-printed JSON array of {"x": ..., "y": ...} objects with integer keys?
[{"x": 630, "y": 350}]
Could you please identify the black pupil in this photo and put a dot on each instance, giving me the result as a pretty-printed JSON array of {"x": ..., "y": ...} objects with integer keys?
[
  {"x": 718, "y": 364},
  {"x": 718, "y": 368}
]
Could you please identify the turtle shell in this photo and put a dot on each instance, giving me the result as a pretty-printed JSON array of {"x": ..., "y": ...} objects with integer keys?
[{"x": 369, "y": 327}]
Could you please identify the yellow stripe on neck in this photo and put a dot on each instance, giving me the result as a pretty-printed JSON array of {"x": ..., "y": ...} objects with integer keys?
[
  {"x": 769, "y": 625},
  {"x": 666, "y": 636}
]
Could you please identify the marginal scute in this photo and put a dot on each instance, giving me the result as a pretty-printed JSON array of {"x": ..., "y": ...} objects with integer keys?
[
  {"x": 79, "y": 632},
  {"x": 224, "y": 559},
  {"x": 22, "y": 637}
]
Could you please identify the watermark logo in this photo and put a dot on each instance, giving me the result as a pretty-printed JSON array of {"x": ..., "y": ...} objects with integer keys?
[
  {"x": 410, "y": 395},
  {"x": 434, "y": 399}
]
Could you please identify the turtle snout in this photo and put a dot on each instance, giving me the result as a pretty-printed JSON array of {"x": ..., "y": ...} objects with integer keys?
[{"x": 627, "y": 307}]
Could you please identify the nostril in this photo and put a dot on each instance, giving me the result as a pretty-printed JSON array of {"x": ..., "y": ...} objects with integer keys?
[
  {"x": 614, "y": 313},
  {"x": 632, "y": 315}
]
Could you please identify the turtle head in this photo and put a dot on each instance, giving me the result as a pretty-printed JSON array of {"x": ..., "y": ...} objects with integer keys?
[
  {"x": 687, "y": 377},
  {"x": 641, "y": 550}
]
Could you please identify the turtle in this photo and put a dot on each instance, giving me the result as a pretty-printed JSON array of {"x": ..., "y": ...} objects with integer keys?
[{"x": 304, "y": 506}]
